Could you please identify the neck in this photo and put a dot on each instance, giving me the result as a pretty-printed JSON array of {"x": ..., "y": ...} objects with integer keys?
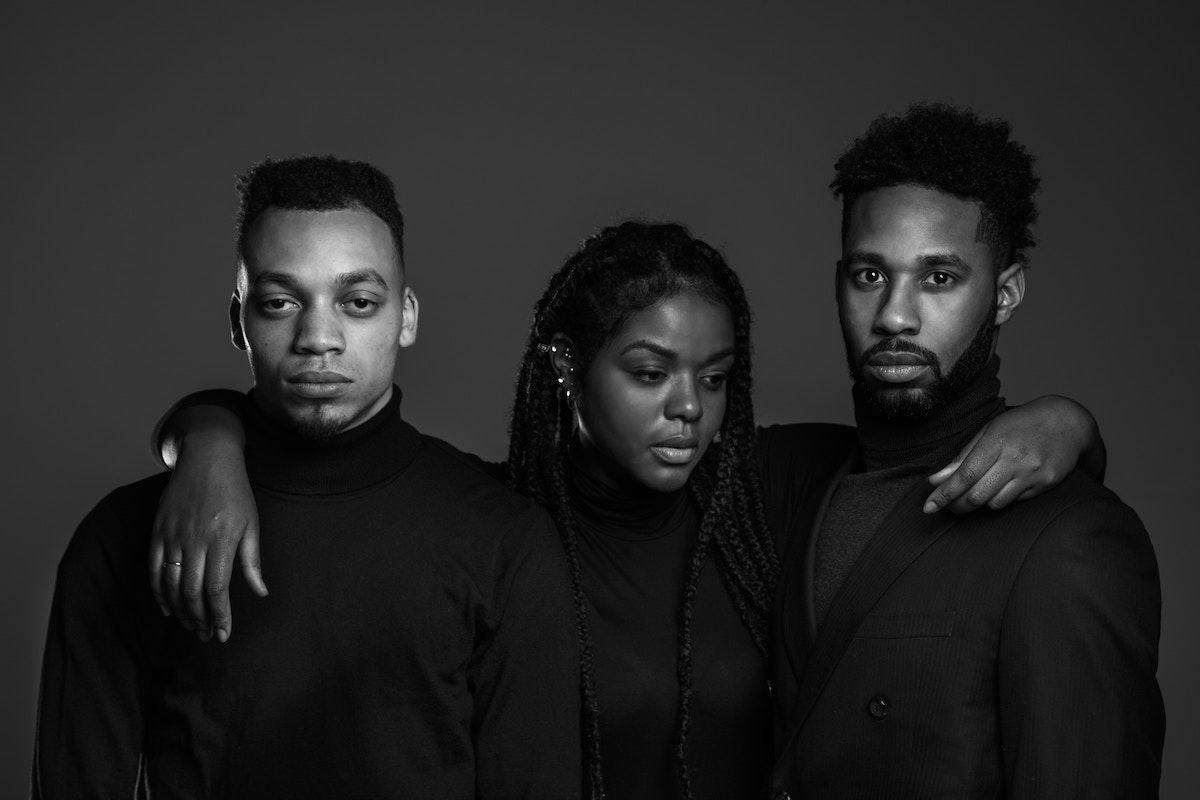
[
  {"x": 934, "y": 440},
  {"x": 280, "y": 459},
  {"x": 619, "y": 507}
]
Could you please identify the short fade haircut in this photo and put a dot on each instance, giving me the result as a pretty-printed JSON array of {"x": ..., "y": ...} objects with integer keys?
[
  {"x": 317, "y": 183},
  {"x": 950, "y": 150}
]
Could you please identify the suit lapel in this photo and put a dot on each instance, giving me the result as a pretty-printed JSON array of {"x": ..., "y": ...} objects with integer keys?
[
  {"x": 904, "y": 535},
  {"x": 799, "y": 615}
]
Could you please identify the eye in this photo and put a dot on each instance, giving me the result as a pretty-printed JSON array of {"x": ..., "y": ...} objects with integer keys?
[
  {"x": 360, "y": 306},
  {"x": 940, "y": 279},
  {"x": 276, "y": 306},
  {"x": 869, "y": 276},
  {"x": 646, "y": 375},
  {"x": 715, "y": 381}
]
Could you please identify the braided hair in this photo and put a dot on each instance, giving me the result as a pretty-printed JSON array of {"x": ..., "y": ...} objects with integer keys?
[{"x": 618, "y": 272}]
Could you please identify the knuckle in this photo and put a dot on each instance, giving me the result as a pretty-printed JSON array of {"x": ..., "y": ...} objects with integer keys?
[
  {"x": 976, "y": 495},
  {"x": 215, "y": 588},
  {"x": 192, "y": 593},
  {"x": 969, "y": 473}
]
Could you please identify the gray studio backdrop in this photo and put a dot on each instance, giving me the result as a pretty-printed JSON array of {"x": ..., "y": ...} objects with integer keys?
[{"x": 512, "y": 132}]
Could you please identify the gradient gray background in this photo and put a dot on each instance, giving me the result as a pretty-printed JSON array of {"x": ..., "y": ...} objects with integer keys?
[{"x": 511, "y": 134}]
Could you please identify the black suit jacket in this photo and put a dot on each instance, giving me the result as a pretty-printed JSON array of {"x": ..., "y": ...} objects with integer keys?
[{"x": 998, "y": 654}]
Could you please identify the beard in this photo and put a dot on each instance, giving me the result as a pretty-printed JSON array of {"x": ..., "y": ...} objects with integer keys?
[
  {"x": 318, "y": 423},
  {"x": 913, "y": 403}
]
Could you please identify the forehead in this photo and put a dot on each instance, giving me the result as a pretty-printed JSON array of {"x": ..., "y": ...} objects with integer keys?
[
  {"x": 313, "y": 245},
  {"x": 913, "y": 218},
  {"x": 685, "y": 322}
]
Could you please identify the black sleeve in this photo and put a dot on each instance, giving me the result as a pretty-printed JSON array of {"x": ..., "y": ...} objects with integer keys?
[
  {"x": 1081, "y": 713},
  {"x": 228, "y": 399},
  {"x": 526, "y": 679},
  {"x": 95, "y": 669},
  {"x": 798, "y": 461}
]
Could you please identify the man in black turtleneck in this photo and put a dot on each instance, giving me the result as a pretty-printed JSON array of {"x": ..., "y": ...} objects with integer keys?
[
  {"x": 419, "y": 640},
  {"x": 1008, "y": 653}
]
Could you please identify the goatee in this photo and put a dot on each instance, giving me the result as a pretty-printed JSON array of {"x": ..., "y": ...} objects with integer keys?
[{"x": 899, "y": 403}]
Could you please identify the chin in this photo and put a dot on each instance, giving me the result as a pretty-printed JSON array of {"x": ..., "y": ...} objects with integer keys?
[
  {"x": 663, "y": 479},
  {"x": 318, "y": 423},
  {"x": 909, "y": 403}
]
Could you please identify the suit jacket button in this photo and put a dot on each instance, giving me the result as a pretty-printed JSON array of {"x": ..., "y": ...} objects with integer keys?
[{"x": 879, "y": 706}]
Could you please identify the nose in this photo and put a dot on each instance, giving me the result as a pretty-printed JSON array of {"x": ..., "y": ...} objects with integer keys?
[
  {"x": 319, "y": 331},
  {"x": 684, "y": 401},
  {"x": 898, "y": 312}
]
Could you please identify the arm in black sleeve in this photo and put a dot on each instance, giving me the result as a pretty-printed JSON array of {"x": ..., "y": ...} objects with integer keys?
[
  {"x": 797, "y": 462},
  {"x": 94, "y": 672},
  {"x": 1081, "y": 711},
  {"x": 194, "y": 410},
  {"x": 526, "y": 678}
]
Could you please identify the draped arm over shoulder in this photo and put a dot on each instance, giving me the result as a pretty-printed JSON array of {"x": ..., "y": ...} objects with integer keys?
[
  {"x": 164, "y": 439},
  {"x": 1081, "y": 712}
]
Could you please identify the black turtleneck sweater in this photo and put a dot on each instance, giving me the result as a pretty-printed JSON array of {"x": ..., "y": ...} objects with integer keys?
[
  {"x": 418, "y": 640},
  {"x": 634, "y": 550},
  {"x": 893, "y": 455}
]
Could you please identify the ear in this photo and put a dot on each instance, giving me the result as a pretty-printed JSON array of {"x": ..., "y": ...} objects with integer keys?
[
  {"x": 1010, "y": 291},
  {"x": 408, "y": 317},
  {"x": 562, "y": 360},
  {"x": 235, "y": 322}
]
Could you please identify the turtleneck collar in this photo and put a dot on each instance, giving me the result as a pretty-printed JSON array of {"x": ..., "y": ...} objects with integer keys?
[
  {"x": 279, "y": 459},
  {"x": 933, "y": 441},
  {"x": 628, "y": 511}
]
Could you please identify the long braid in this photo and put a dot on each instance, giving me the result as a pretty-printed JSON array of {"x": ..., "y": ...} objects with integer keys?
[
  {"x": 618, "y": 272},
  {"x": 538, "y": 443}
]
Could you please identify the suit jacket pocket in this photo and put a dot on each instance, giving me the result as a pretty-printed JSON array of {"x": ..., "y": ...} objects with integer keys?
[{"x": 906, "y": 626}]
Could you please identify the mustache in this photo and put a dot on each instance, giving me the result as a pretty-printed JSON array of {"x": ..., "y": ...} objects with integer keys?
[{"x": 898, "y": 345}]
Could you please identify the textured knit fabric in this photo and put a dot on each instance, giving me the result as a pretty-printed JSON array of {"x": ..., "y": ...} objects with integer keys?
[
  {"x": 634, "y": 549},
  {"x": 418, "y": 640}
]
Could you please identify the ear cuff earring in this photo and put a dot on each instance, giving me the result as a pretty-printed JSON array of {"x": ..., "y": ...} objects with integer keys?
[{"x": 567, "y": 388}]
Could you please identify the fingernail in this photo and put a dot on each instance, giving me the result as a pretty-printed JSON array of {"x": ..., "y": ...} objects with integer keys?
[
  {"x": 205, "y": 634},
  {"x": 166, "y": 612},
  {"x": 930, "y": 507},
  {"x": 222, "y": 635}
]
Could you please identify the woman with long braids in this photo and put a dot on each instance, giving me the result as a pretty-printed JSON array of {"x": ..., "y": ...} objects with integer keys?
[
  {"x": 638, "y": 357},
  {"x": 633, "y": 425}
]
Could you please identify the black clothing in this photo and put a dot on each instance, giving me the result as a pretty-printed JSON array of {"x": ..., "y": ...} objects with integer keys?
[
  {"x": 418, "y": 640},
  {"x": 635, "y": 546},
  {"x": 892, "y": 457},
  {"x": 994, "y": 654}
]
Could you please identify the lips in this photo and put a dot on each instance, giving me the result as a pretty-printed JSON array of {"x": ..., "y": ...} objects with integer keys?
[
  {"x": 319, "y": 384},
  {"x": 896, "y": 371},
  {"x": 676, "y": 450},
  {"x": 896, "y": 360}
]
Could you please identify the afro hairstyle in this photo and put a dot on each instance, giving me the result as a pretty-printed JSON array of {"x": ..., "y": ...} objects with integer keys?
[{"x": 950, "y": 150}]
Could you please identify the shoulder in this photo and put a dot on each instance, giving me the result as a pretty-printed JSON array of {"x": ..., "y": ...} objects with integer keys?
[
  {"x": 470, "y": 489},
  {"x": 1079, "y": 502},
  {"x": 113, "y": 536},
  {"x": 806, "y": 436},
  {"x": 804, "y": 452},
  {"x": 1087, "y": 537}
]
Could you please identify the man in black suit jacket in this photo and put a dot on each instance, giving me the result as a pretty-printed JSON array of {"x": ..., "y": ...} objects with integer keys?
[{"x": 1000, "y": 654}]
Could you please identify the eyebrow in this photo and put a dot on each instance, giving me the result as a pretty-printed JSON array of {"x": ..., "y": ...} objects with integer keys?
[
  {"x": 872, "y": 259},
  {"x": 344, "y": 279},
  {"x": 945, "y": 260},
  {"x": 659, "y": 350}
]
